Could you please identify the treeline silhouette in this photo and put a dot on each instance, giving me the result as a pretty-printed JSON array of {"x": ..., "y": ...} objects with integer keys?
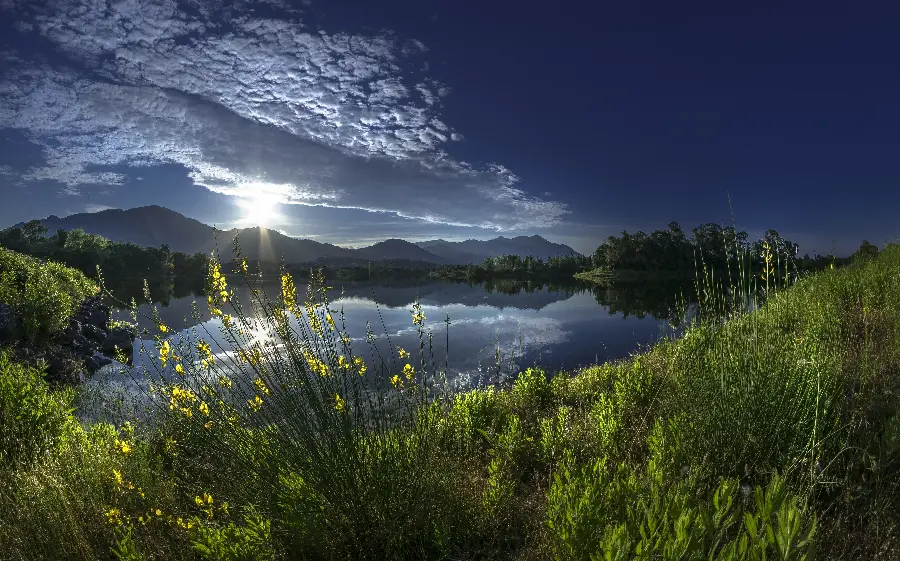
[
  {"x": 124, "y": 266},
  {"x": 711, "y": 245}
]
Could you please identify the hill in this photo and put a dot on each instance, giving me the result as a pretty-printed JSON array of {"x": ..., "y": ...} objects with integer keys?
[
  {"x": 399, "y": 249},
  {"x": 476, "y": 251}
]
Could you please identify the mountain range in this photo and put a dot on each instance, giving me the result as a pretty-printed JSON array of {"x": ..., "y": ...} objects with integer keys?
[{"x": 153, "y": 226}]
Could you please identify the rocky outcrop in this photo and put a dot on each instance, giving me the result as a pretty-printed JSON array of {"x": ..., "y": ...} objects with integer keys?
[{"x": 79, "y": 350}]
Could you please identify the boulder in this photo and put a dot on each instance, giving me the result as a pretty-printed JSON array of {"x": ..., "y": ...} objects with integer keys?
[{"x": 118, "y": 337}]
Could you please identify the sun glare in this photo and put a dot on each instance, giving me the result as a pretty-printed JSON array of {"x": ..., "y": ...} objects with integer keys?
[{"x": 259, "y": 211}]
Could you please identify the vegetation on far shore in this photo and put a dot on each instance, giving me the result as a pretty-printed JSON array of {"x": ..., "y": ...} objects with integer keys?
[{"x": 772, "y": 435}]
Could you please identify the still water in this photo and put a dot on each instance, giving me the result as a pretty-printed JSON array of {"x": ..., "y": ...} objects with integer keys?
[{"x": 554, "y": 328}]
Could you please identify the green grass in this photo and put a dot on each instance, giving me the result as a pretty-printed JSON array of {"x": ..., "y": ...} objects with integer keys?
[{"x": 774, "y": 435}]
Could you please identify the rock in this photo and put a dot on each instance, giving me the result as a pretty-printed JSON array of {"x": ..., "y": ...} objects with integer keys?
[
  {"x": 96, "y": 362},
  {"x": 94, "y": 333},
  {"x": 62, "y": 368},
  {"x": 118, "y": 337}
]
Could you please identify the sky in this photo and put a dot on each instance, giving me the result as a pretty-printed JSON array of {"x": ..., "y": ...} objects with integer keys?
[{"x": 351, "y": 122}]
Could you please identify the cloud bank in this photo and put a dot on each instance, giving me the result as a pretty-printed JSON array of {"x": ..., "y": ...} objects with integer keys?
[{"x": 251, "y": 106}]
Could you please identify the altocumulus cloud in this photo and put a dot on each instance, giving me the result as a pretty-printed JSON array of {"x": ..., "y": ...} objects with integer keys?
[{"x": 250, "y": 106}]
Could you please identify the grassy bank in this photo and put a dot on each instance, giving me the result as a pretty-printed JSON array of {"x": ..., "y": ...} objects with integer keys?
[{"x": 772, "y": 436}]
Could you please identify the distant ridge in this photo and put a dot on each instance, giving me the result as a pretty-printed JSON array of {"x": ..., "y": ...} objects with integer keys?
[{"x": 155, "y": 225}]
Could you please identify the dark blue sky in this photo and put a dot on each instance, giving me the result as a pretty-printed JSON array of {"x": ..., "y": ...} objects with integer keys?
[{"x": 457, "y": 119}]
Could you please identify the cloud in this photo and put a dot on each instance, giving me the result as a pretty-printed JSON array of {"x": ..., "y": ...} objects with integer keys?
[
  {"x": 252, "y": 106},
  {"x": 97, "y": 208}
]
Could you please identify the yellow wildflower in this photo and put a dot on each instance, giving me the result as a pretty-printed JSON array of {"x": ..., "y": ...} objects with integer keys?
[
  {"x": 244, "y": 266},
  {"x": 123, "y": 446},
  {"x": 330, "y": 321},
  {"x": 342, "y": 362},
  {"x": 409, "y": 371},
  {"x": 158, "y": 512},
  {"x": 163, "y": 328},
  {"x": 117, "y": 475},
  {"x": 261, "y": 386},
  {"x": 255, "y": 403},
  {"x": 208, "y": 425},
  {"x": 204, "y": 408},
  {"x": 360, "y": 365},
  {"x": 165, "y": 352},
  {"x": 179, "y": 369},
  {"x": 112, "y": 516},
  {"x": 225, "y": 381},
  {"x": 396, "y": 381},
  {"x": 403, "y": 354},
  {"x": 338, "y": 402}
]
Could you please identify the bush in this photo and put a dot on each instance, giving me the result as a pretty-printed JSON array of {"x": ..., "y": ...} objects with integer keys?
[
  {"x": 43, "y": 295},
  {"x": 32, "y": 420}
]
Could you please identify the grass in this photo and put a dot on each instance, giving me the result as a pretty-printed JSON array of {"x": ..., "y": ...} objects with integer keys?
[{"x": 772, "y": 435}]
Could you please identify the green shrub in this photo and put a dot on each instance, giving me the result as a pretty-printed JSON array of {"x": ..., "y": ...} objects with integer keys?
[
  {"x": 32, "y": 419},
  {"x": 250, "y": 541},
  {"x": 44, "y": 295},
  {"x": 609, "y": 512}
]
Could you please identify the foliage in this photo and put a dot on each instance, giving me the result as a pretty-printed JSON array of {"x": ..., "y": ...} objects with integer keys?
[
  {"x": 125, "y": 265},
  {"x": 764, "y": 432},
  {"x": 31, "y": 419},
  {"x": 43, "y": 294}
]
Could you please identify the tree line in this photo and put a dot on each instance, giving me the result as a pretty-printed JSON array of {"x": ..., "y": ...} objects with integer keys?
[
  {"x": 124, "y": 265},
  {"x": 711, "y": 245}
]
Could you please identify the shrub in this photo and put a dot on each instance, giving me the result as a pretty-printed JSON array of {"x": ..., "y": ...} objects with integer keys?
[
  {"x": 32, "y": 420},
  {"x": 44, "y": 295}
]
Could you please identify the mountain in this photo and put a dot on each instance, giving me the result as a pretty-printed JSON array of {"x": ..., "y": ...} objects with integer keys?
[
  {"x": 154, "y": 226},
  {"x": 398, "y": 249},
  {"x": 476, "y": 251},
  {"x": 150, "y": 226}
]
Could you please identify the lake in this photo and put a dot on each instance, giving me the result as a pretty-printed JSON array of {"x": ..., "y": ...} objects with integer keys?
[{"x": 557, "y": 328}]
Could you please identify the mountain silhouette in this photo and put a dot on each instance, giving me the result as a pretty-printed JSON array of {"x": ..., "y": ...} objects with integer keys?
[{"x": 153, "y": 226}]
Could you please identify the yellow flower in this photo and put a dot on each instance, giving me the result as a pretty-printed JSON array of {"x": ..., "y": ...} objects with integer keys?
[
  {"x": 244, "y": 266},
  {"x": 118, "y": 477},
  {"x": 208, "y": 425},
  {"x": 187, "y": 412},
  {"x": 409, "y": 371},
  {"x": 158, "y": 512},
  {"x": 179, "y": 369},
  {"x": 396, "y": 381},
  {"x": 225, "y": 381},
  {"x": 112, "y": 516},
  {"x": 165, "y": 352},
  {"x": 261, "y": 386},
  {"x": 360, "y": 365},
  {"x": 403, "y": 354},
  {"x": 123, "y": 446},
  {"x": 255, "y": 403},
  {"x": 338, "y": 402},
  {"x": 330, "y": 321},
  {"x": 342, "y": 362},
  {"x": 204, "y": 408},
  {"x": 163, "y": 328}
]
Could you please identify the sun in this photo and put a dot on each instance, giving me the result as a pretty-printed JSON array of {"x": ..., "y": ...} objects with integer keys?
[{"x": 259, "y": 211}]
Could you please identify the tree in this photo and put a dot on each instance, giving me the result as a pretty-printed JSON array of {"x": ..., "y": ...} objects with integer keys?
[{"x": 865, "y": 252}]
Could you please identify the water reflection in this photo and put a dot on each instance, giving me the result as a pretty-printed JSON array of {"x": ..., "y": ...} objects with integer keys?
[{"x": 494, "y": 330}]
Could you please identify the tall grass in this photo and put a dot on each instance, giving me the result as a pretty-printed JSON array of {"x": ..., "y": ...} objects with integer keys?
[{"x": 765, "y": 431}]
